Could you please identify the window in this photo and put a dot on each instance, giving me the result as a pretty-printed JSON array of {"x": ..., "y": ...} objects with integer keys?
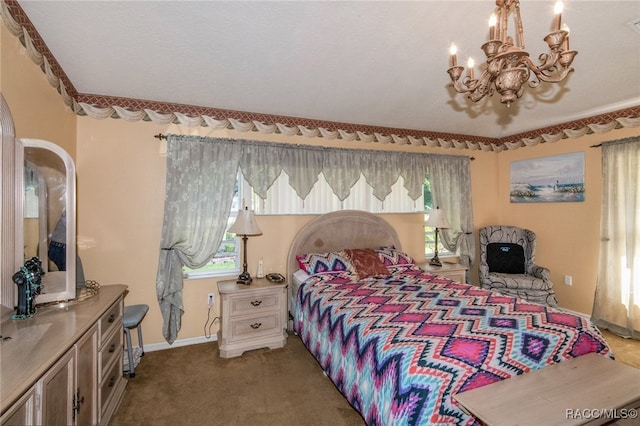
[
  {"x": 226, "y": 261},
  {"x": 430, "y": 233},
  {"x": 282, "y": 200}
]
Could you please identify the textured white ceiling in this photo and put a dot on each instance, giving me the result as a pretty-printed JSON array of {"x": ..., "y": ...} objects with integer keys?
[{"x": 380, "y": 63}]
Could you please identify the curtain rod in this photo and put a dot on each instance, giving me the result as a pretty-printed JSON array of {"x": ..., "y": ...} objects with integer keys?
[{"x": 163, "y": 136}]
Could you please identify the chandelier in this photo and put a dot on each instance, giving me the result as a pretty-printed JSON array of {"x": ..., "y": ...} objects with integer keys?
[{"x": 508, "y": 64}]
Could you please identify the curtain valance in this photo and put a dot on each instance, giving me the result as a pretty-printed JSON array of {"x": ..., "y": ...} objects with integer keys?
[{"x": 262, "y": 163}]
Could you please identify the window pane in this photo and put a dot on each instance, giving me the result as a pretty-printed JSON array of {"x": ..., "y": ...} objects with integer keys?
[
  {"x": 226, "y": 261},
  {"x": 430, "y": 233},
  {"x": 283, "y": 199}
]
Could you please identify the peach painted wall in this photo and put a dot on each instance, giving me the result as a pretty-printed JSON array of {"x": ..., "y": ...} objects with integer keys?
[
  {"x": 37, "y": 108},
  {"x": 568, "y": 233},
  {"x": 121, "y": 178}
]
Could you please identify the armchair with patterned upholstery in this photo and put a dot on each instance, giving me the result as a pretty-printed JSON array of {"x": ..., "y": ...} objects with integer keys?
[{"x": 507, "y": 265}]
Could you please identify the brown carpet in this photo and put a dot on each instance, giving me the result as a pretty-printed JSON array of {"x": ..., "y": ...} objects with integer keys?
[{"x": 192, "y": 385}]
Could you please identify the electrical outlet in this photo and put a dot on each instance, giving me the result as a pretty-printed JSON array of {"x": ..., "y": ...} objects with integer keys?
[
  {"x": 211, "y": 298},
  {"x": 568, "y": 280}
]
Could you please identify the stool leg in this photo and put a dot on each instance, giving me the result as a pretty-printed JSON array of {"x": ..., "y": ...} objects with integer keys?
[
  {"x": 140, "y": 339},
  {"x": 132, "y": 372}
]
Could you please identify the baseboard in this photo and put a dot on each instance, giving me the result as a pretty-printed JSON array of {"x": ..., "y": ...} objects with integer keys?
[
  {"x": 580, "y": 314},
  {"x": 181, "y": 342}
]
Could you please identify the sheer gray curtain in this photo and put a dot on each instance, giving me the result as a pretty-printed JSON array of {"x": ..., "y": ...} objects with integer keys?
[
  {"x": 617, "y": 299},
  {"x": 201, "y": 176},
  {"x": 450, "y": 178}
]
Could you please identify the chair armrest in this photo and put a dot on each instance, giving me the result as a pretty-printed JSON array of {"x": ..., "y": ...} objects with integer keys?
[
  {"x": 483, "y": 270},
  {"x": 541, "y": 272}
]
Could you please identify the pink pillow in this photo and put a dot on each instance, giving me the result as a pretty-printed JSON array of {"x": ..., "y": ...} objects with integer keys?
[
  {"x": 316, "y": 263},
  {"x": 391, "y": 256},
  {"x": 366, "y": 263}
]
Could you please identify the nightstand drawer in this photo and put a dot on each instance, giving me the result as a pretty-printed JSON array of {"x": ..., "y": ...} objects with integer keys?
[
  {"x": 252, "y": 316},
  {"x": 453, "y": 271},
  {"x": 249, "y": 328},
  {"x": 259, "y": 302}
]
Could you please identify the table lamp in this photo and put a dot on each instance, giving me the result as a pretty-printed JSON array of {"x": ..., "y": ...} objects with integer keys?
[
  {"x": 438, "y": 221},
  {"x": 245, "y": 225}
]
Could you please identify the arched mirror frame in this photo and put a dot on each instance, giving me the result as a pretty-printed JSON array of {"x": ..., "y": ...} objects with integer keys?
[
  {"x": 12, "y": 213},
  {"x": 64, "y": 282}
]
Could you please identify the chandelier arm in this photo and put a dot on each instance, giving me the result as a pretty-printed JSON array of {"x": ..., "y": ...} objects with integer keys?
[
  {"x": 483, "y": 86},
  {"x": 550, "y": 71},
  {"x": 555, "y": 77},
  {"x": 475, "y": 88}
]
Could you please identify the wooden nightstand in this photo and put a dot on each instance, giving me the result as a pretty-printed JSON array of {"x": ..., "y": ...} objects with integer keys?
[
  {"x": 453, "y": 271},
  {"x": 253, "y": 316}
]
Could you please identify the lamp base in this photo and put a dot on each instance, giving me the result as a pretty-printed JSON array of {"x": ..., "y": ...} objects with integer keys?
[
  {"x": 244, "y": 278},
  {"x": 435, "y": 262}
]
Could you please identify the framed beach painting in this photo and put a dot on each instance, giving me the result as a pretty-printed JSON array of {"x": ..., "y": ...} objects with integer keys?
[{"x": 555, "y": 179}]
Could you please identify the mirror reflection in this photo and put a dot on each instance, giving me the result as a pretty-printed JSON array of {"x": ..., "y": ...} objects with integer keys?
[{"x": 48, "y": 208}]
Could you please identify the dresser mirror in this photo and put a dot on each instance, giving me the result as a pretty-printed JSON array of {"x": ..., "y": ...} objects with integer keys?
[{"x": 48, "y": 213}]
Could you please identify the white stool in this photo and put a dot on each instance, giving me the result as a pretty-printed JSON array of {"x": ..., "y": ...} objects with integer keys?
[{"x": 133, "y": 316}]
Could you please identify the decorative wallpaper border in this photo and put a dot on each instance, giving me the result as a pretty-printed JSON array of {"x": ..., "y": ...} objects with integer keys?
[{"x": 101, "y": 107}]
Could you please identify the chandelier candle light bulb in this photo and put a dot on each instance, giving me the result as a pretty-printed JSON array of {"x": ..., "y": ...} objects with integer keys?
[
  {"x": 565, "y": 42},
  {"x": 493, "y": 20},
  {"x": 557, "y": 9},
  {"x": 452, "y": 51}
]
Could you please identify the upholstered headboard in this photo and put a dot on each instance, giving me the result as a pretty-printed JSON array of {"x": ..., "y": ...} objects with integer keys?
[{"x": 341, "y": 230}]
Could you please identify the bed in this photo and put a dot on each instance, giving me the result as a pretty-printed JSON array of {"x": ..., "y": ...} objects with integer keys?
[{"x": 398, "y": 342}]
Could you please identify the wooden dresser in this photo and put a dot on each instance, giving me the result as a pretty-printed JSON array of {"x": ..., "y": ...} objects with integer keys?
[
  {"x": 253, "y": 316},
  {"x": 64, "y": 365}
]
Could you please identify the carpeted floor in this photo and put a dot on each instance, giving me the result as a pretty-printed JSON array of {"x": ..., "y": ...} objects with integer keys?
[{"x": 192, "y": 385}]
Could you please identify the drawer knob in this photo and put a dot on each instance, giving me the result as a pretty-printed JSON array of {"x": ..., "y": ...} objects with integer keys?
[
  {"x": 256, "y": 302},
  {"x": 256, "y": 325},
  {"x": 112, "y": 318},
  {"x": 112, "y": 381},
  {"x": 112, "y": 348}
]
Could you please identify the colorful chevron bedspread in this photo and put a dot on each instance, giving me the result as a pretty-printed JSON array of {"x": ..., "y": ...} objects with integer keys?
[{"x": 399, "y": 347}]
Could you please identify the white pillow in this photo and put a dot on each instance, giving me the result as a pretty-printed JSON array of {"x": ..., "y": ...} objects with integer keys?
[{"x": 300, "y": 276}]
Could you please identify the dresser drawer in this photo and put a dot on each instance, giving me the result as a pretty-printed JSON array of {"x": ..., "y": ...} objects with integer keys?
[
  {"x": 111, "y": 349},
  {"x": 109, "y": 384},
  {"x": 251, "y": 304},
  {"x": 111, "y": 320},
  {"x": 256, "y": 326}
]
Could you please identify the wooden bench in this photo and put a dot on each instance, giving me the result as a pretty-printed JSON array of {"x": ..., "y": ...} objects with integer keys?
[{"x": 590, "y": 389}]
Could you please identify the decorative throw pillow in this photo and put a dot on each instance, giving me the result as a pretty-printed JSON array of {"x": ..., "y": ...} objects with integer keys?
[
  {"x": 366, "y": 263},
  {"x": 391, "y": 256},
  {"x": 316, "y": 263},
  {"x": 506, "y": 258}
]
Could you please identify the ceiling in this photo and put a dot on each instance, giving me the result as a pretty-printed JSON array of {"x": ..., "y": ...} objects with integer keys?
[{"x": 375, "y": 63}]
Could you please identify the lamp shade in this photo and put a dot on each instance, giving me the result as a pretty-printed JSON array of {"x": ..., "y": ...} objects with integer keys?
[
  {"x": 245, "y": 223},
  {"x": 437, "y": 219}
]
